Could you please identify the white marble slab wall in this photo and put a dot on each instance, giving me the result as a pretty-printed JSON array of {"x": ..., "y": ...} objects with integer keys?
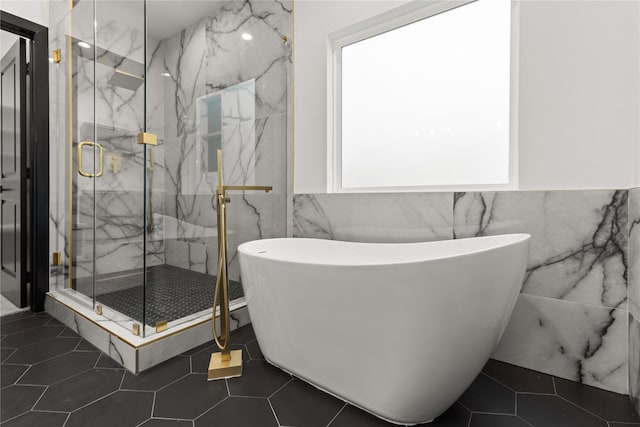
[
  {"x": 392, "y": 217},
  {"x": 211, "y": 57},
  {"x": 634, "y": 296},
  {"x": 571, "y": 318}
]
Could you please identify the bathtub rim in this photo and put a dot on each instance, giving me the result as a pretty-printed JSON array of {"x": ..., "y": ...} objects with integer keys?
[{"x": 507, "y": 239}]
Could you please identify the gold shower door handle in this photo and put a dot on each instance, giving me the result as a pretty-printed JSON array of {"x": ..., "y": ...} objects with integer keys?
[{"x": 100, "y": 159}]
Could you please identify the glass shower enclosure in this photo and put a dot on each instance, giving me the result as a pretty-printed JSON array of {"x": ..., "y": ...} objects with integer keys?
[{"x": 147, "y": 92}]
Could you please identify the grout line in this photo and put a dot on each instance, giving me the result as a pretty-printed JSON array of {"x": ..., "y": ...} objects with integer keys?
[
  {"x": 498, "y": 381},
  {"x": 524, "y": 421},
  {"x": 338, "y": 413},
  {"x": 94, "y": 401},
  {"x": 209, "y": 410},
  {"x": 470, "y": 418},
  {"x": 174, "y": 381},
  {"x": 584, "y": 409},
  {"x": 13, "y": 418},
  {"x": 555, "y": 390},
  {"x": 531, "y": 393},
  {"x": 39, "y": 398},
  {"x": 10, "y": 354},
  {"x": 153, "y": 404},
  {"x": 283, "y": 386},
  {"x": 273, "y": 411}
]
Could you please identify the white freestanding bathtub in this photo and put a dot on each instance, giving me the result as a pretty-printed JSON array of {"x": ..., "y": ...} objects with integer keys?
[{"x": 399, "y": 330}]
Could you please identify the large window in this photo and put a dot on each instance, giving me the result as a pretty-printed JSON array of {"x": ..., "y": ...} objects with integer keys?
[{"x": 421, "y": 99}]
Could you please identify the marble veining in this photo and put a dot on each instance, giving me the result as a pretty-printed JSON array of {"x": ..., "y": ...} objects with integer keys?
[
  {"x": 634, "y": 361},
  {"x": 211, "y": 58},
  {"x": 392, "y": 217},
  {"x": 578, "y": 250},
  {"x": 634, "y": 252},
  {"x": 583, "y": 343}
]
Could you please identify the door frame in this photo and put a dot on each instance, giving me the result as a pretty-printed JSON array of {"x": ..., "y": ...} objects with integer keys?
[{"x": 39, "y": 150}]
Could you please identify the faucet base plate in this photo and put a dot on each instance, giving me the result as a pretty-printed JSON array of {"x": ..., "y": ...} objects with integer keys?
[{"x": 221, "y": 369}]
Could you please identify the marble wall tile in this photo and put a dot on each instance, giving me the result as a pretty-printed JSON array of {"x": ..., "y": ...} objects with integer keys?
[
  {"x": 578, "y": 248},
  {"x": 634, "y": 361},
  {"x": 579, "y": 342},
  {"x": 634, "y": 252},
  {"x": 391, "y": 217},
  {"x": 254, "y": 82},
  {"x": 230, "y": 60}
]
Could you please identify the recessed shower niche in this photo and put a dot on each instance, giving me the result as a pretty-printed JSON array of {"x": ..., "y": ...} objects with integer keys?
[{"x": 144, "y": 94}]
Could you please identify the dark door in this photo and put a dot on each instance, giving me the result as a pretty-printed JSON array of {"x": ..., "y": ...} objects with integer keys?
[{"x": 13, "y": 250}]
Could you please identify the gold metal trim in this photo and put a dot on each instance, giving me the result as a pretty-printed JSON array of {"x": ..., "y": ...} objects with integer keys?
[
  {"x": 265, "y": 188},
  {"x": 99, "y": 309},
  {"x": 70, "y": 270},
  {"x": 56, "y": 258},
  {"x": 162, "y": 326},
  {"x": 57, "y": 56},
  {"x": 100, "y": 159},
  {"x": 147, "y": 138},
  {"x": 135, "y": 329}
]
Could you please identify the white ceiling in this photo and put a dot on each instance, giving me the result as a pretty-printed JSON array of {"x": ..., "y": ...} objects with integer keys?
[
  {"x": 165, "y": 18},
  {"x": 168, "y": 17}
]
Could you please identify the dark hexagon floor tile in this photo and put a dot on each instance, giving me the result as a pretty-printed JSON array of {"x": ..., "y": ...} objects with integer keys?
[
  {"x": 159, "y": 376},
  {"x": 243, "y": 335},
  {"x": 16, "y": 399},
  {"x": 44, "y": 350},
  {"x": 107, "y": 362},
  {"x": 156, "y": 422},
  {"x": 31, "y": 336},
  {"x": 188, "y": 397},
  {"x": 254, "y": 350},
  {"x": 9, "y": 374},
  {"x": 6, "y": 352},
  {"x": 54, "y": 322},
  {"x": 491, "y": 420},
  {"x": 9, "y": 328},
  {"x": 259, "y": 379},
  {"x": 519, "y": 379},
  {"x": 122, "y": 409},
  {"x": 200, "y": 360},
  {"x": 39, "y": 419},
  {"x": 75, "y": 392},
  {"x": 605, "y": 404},
  {"x": 4, "y": 320},
  {"x": 86, "y": 346},
  {"x": 68, "y": 333},
  {"x": 195, "y": 350},
  {"x": 301, "y": 405},
  {"x": 553, "y": 411},
  {"x": 351, "y": 416},
  {"x": 59, "y": 368},
  {"x": 624, "y": 425},
  {"x": 239, "y": 412},
  {"x": 455, "y": 416},
  {"x": 487, "y": 395}
]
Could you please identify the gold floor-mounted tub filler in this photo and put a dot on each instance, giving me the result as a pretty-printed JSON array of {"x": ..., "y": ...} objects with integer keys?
[{"x": 226, "y": 363}]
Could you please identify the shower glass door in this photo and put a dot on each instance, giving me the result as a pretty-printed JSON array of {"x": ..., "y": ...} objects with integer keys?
[
  {"x": 119, "y": 192},
  {"x": 105, "y": 76}
]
